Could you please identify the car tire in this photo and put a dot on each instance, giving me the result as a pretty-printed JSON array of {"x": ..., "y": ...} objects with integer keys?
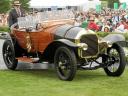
[
  {"x": 65, "y": 60},
  {"x": 118, "y": 67},
  {"x": 9, "y": 55}
]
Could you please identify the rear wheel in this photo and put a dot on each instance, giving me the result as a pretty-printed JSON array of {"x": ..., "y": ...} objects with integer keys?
[
  {"x": 9, "y": 55},
  {"x": 115, "y": 61},
  {"x": 65, "y": 63}
]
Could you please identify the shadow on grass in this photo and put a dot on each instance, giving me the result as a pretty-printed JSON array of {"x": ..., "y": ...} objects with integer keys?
[
  {"x": 51, "y": 74},
  {"x": 90, "y": 75}
]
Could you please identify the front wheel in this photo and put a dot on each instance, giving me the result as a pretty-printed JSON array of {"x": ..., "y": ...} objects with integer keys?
[
  {"x": 9, "y": 55},
  {"x": 115, "y": 61},
  {"x": 65, "y": 63}
]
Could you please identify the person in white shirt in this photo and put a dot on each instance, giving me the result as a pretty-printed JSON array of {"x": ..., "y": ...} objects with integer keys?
[{"x": 120, "y": 27}]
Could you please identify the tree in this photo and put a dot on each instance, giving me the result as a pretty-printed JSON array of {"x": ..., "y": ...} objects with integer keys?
[
  {"x": 111, "y": 2},
  {"x": 25, "y": 4},
  {"x": 4, "y": 6}
]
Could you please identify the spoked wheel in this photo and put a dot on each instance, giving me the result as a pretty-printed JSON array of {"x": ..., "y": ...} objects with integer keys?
[
  {"x": 9, "y": 55},
  {"x": 65, "y": 63},
  {"x": 115, "y": 61}
]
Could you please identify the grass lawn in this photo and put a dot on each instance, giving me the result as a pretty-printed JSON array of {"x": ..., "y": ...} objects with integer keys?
[{"x": 46, "y": 83}]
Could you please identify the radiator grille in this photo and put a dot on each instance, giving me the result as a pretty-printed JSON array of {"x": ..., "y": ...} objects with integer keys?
[{"x": 92, "y": 42}]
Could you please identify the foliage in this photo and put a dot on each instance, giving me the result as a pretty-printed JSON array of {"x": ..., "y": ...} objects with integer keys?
[
  {"x": 4, "y": 29},
  {"x": 4, "y": 6},
  {"x": 111, "y": 2},
  {"x": 25, "y": 4}
]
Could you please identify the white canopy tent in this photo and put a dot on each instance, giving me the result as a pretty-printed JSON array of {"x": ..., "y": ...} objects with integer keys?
[
  {"x": 122, "y": 1},
  {"x": 46, "y": 3}
]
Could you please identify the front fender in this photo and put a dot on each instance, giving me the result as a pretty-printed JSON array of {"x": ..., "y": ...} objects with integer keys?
[
  {"x": 123, "y": 43},
  {"x": 113, "y": 38},
  {"x": 66, "y": 42}
]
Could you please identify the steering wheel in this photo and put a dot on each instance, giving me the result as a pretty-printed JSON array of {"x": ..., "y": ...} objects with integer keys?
[{"x": 38, "y": 26}]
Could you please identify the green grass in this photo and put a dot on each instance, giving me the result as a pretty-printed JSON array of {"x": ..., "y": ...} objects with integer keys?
[
  {"x": 4, "y": 29},
  {"x": 46, "y": 83}
]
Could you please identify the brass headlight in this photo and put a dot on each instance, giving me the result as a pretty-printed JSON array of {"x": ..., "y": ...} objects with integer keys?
[
  {"x": 83, "y": 46},
  {"x": 109, "y": 44}
]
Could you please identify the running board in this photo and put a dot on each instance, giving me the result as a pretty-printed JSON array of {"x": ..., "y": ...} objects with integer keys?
[{"x": 28, "y": 60}]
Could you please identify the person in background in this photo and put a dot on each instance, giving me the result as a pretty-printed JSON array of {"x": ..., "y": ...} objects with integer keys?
[
  {"x": 106, "y": 29},
  {"x": 77, "y": 20},
  {"x": 106, "y": 25},
  {"x": 120, "y": 27},
  {"x": 124, "y": 22},
  {"x": 15, "y": 12},
  {"x": 116, "y": 18},
  {"x": 92, "y": 25},
  {"x": 84, "y": 24}
]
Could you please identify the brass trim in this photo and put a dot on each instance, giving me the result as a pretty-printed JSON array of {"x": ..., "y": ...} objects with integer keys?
[{"x": 80, "y": 51}]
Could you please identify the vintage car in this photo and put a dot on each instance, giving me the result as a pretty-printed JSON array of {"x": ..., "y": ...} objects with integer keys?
[{"x": 66, "y": 46}]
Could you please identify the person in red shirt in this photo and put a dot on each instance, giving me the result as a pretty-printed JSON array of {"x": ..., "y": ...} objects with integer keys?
[{"x": 92, "y": 25}]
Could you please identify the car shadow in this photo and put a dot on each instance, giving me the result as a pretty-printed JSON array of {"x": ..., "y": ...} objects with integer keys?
[
  {"x": 51, "y": 74},
  {"x": 40, "y": 73},
  {"x": 90, "y": 75}
]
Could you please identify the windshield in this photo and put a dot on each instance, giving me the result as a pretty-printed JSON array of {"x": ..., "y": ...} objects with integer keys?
[{"x": 32, "y": 19}]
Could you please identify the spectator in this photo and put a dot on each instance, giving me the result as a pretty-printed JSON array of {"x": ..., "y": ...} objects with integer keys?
[
  {"x": 120, "y": 27},
  {"x": 78, "y": 20},
  {"x": 106, "y": 29},
  {"x": 92, "y": 25},
  {"x": 106, "y": 25},
  {"x": 16, "y": 12},
  {"x": 84, "y": 24}
]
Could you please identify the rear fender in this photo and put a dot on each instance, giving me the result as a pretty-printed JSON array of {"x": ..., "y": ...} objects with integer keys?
[
  {"x": 123, "y": 43},
  {"x": 6, "y": 36},
  {"x": 51, "y": 49}
]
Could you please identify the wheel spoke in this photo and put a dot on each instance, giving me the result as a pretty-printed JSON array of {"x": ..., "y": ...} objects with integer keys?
[
  {"x": 9, "y": 60},
  {"x": 64, "y": 64},
  {"x": 114, "y": 59},
  {"x": 9, "y": 55}
]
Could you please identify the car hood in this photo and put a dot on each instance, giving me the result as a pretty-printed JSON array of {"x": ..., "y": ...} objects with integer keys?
[{"x": 71, "y": 32}]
